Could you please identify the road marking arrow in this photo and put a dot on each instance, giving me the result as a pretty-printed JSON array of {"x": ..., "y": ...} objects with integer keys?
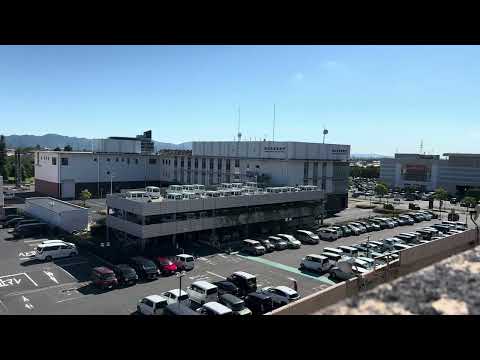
[
  {"x": 29, "y": 306},
  {"x": 51, "y": 276},
  {"x": 25, "y": 299}
]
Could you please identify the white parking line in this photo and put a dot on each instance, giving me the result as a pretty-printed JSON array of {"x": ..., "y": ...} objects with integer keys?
[
  {"x": 75, "y": 298},
  {"x": 3, "y": 305},
  {"x": 220, "y": 276},
  {"x": 31, "y": 279},
  {"x": 34, "y": 240},
  {"x": 67, "y": 273},
  {"x": 41, "y": 289},
  {"x": 77, "y": 263}
]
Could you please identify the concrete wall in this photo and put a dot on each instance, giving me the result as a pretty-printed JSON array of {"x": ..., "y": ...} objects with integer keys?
[
  {"x": 410, "y": 260},
  {"x": 75, "y": 219}
]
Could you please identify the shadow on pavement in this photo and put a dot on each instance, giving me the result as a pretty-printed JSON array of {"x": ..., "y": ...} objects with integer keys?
[{"x": 90, "y": 289}]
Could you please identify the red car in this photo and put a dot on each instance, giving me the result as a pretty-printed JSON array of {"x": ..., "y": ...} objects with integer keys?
[
  {"x": 165, "y": 265},
  {"x": 104, "y": 277}
]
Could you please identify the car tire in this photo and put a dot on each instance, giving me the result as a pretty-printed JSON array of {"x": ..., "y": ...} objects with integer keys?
[{"x": 48, "y": 258}]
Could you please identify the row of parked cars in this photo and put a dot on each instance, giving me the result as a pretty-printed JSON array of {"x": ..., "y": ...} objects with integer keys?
[
  {"x": 374, "y": 224},
  {"x": 279, "y": 242},
  {"x": 20, "y": 226},
  {"x": 237, "y": 295},
  {"x": 344, "y": 262}
]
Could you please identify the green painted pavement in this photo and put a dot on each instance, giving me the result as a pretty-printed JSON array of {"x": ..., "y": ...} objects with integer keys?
[{"x": 322, "y": 279}]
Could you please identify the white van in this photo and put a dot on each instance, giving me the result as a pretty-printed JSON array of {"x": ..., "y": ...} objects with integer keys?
[
  {"x": 348, "y": 250},
  {"x": 153, "y": 192},
  {"x": 327, "y": 234},
  {"x": 307, "y": 237},
  {"x": 152, "y": 305},
  {"x": 202, "y": 292},
  {"x": 333, "y": 250},
  {"x": 315, "y": 262},
  {"x": 291, "y": 241},
  {"x": 184, "y": 261},
  {"x": 55, "y": 250}
]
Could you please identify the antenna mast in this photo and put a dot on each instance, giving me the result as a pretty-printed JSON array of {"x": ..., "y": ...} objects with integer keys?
[
  {"x": 239, "y": 134},
  {"x": 421, "y": 146},
  {"x": 273, "y": 137}
]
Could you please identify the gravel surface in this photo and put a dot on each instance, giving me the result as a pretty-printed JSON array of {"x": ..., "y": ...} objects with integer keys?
[{"x": 450, "y": 287}]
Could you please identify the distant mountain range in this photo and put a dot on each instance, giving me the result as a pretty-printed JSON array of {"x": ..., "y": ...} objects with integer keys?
[
  {"x": 368, "y": 156},
  {"x": 51, "y": 141}
]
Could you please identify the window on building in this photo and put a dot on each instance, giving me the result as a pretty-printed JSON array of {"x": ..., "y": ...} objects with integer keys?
[
  {"x": 211, "y": 164},
  {"x": 196, "y": 163},
  {"x": 108, "y": 159},
  {"x": 305, "y": 170},
  {"x": 95, "y": 159},
  {"x": 237, "y": 163},
  {"x": 64, "y": 161},
  {"x": 182, "y": 162},
  {"x": 189, "y": 163},
  {"x": 227, "y": 165},
  {"x": 123, "y": 159},
  {"x": 136, "y": 161},
  {"x": 54, "y": 161},
  {"x": 219, "y": 164},
  {"x": 175, "y": 162},
  {"x": 116, "y": 159},
  {"x": 128, "y": 161},
  {"x": 152, "y": 161},
  {"x": 204, "y": 163}
]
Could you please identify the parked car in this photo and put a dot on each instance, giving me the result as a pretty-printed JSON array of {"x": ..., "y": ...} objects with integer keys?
[
  {"x": 307, "y": 237},
  {"x": 125, "y": 274},
  {"x": 214, "y": 308},
  {"x": 453, "y": 201},
  {"x": 245, "y": 282},
  {"x": 338, "y": 229},
  {"x": 345, "y": 270},
  {"x": 359, "y": 226},
  {"x": 165, "y": 265},
  {"x": 314, "y": 262},
  {"x": 291, "y": 241},
  {"x": 202, "y": 292},
  {"x": 27, "y": 230},
  {"x": 289, "y": 294},
  {"x": 152, "y": 305},
  {"x": 374, "y": 226},
  {"x": 253, "y": 247},
  {"x": 407, "y": 219},
  {"x": 269, "y": 247},
  {"x": 48, "y": 252},
  {"x": 176, "y": 295},
  {"x": 349, "y": 250},
  {"x": 367, "y": 225},
  {"x": 184, "y": 262},
  {"x": 346, "y": 230},
  {"x": 353, "y": 229},
  {"x": 327, "y": 234},
  {"x": 145, "y": 268},
  {"x": 279, "y": 244},
  {"x": 259, "y": 303},
  {"x": 235, "y": 304},
  {"x": 227, "y": 287},
  {"x": 103, "y": 278},
  {"x": 12, "y": 222},
  {"x": 179, "y": 309},
  {"x": 25, "y": 222},
  {"x": 278, "y": 300}
]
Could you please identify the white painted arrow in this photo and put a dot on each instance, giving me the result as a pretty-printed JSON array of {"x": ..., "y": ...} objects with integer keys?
[
  {"x": 25, "y": 299},
  {"x": 51, "y": 276},
  {"x": 29, "y": 306}
]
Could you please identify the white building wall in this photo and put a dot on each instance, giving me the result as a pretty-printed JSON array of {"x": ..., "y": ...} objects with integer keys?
[
  {"x": 117, "y": 146},
  {"x": 44, "y": 170}
]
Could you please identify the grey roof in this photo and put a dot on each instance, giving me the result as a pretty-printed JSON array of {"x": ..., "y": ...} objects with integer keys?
[{"x": 53, "y": 204}]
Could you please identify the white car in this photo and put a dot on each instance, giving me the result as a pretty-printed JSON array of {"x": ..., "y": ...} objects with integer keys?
[
  {"x": 354, "y": 229},
  {"x": 55, "y": 250},
  {"x": 152, "y": 305},
  {"x": 327, "y": 234},
  {"x": 317, "y": 263},
  {"x": 214, "y": 308},
  {"x": 202, "y": 292},
  {"x": 176, "y": 295},
  {"x": 184, "y": 261},
  {"x": 307, "y": 237},
  {"x": 285, "y": 291},
  {"x": 291, "y": 241}
]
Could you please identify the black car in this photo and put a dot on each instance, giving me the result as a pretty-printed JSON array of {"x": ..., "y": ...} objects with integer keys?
[
  {"x": 125, "y": 274},
  {"x": 245, "y": 282},
  {"x": 145, "y": 269},
  {"x": 9, "y": 217},
  {"x": 227, "y": 287},
  {"x": 26, "y": 221},
  {"x": 179, "y": 309},
  {"x": 26, "y": 230},
  {"x": 13, "y": 222},
  {"x": 259, "y": 303},
  {"x": 278, "y": 300}
]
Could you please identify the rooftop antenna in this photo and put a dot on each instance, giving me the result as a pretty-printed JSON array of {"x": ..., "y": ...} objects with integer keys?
[
  {"x": 239, "y": 134},
  {"x": 273, "y": 137},
  {"x": 325, "y": 132},
  {"x": 421, "y": 146}
]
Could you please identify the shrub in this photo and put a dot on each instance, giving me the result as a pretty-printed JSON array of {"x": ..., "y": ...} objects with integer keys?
[{"x": 388, "y": 207}]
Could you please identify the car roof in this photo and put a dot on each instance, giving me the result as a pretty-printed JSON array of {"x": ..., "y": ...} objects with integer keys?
[
  {"x": 217, "y": 307},
  {"x": 231, "y": 298},
  {"x": 326, "y": 253},
  {"x": 275, "y": 237},
  {"x": 315, "y": 256},
  {"x": 155, "y": 298},
  {"x": 204, "y": 284},
  {"x": 140, "y": 259},
  {"x": 176, "y": 292},
  {"x": 103, "y": 270},
  {"x": 347, "y": 247},
  {"x": 286, "y": 289},
  {"x": 184, "y": 255},
  {"x": 123, "y": 267},
  {"x": 179, "y": 308},
  {"x": 244, "y": 275}
]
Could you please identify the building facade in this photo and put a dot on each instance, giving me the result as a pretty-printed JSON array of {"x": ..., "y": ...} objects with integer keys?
[
  {"x": 66, "y": 174},
  {"x": 456, "y": 172}
]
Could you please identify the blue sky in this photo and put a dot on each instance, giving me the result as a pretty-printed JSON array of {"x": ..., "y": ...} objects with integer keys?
[{"x": 376, "y": 98}]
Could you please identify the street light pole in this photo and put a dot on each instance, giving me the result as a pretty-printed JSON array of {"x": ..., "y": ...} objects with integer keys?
[{"x": 180, "y": 275}]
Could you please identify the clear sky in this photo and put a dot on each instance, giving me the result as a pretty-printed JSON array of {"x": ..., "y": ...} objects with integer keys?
[{"x": 379, "y": 99}]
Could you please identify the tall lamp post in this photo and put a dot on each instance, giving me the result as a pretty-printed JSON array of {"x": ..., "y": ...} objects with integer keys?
[
  {"x": 180, "y": 275},
  {"x": 111, "y": 181}
]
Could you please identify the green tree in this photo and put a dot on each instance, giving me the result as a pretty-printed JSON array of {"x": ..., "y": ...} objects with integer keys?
[
  {"x": 381, "y": 190},
  {"x": 67, "y": 148},
  {"x": 57, "y": 149},
  {"x": 441, "y": 195},
  {"x": 470, "y": 201},
  {"x": 3, "y": 158},
  {"x": 85, "y": 195}
]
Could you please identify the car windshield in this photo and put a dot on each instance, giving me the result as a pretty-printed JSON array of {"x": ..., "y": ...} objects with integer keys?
[
  {"x": 165, "y": 262},
  {"x": 149, "y": 266},
  {"x": 183, "y": 297},
  {"x": 252, "y": 282},
  {"x": 237, "y": 306},
  {"x": 108, "y": 276}
]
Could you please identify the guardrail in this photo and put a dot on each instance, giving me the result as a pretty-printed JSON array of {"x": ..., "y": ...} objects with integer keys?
[{"x": 410, "y": 260}]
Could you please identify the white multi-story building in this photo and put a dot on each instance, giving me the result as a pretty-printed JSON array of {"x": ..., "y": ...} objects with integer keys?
[{"x": 66, "y": 174}]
